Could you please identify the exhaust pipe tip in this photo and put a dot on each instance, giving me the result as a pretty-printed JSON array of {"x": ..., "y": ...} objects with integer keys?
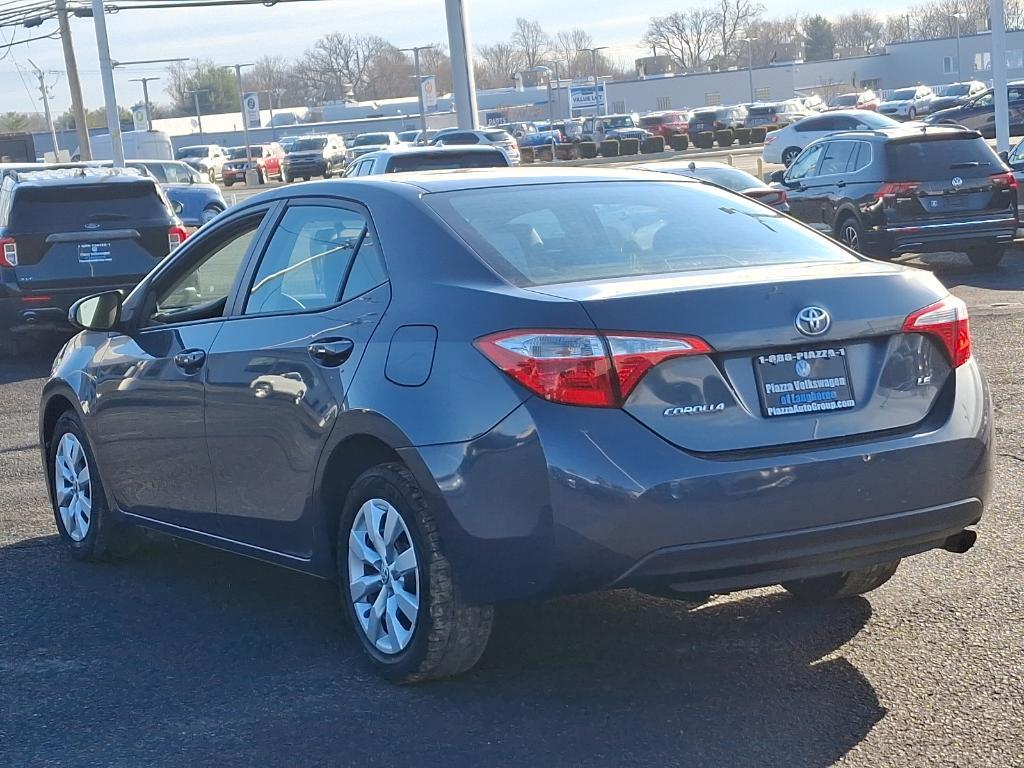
[
  {"x": 959, "y": 543},
  {"x": 30, "y": 318}
]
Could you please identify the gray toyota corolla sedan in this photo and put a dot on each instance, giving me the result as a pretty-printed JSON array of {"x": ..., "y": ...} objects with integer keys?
[{"x": 450, "y": 390}]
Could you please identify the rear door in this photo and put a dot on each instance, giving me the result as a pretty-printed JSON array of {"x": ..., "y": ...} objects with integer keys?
[
  {"x": 948, "y": 178},
  {"x": 803, "y": 186},
  {"x": 87, "y": 236},
  {"x": 278, "y": 371},
  {"x": 831, "y": 182}
]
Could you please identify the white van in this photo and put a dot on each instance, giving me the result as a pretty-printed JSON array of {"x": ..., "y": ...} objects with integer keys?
[{"x": 138, "y": 145}]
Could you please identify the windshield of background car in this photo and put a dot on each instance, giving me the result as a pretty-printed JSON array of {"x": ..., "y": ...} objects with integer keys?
[
  {"x": 306, "y": 145},
  {"x": 730, "y": 178},
  {"x": 903, "y": 94},
  {"x": 370, "y": 139},
  {"x": 622, "y": 121},
  {"x": 236, "y": 153},
  {"x": 72, "y": 207},
  {"x": 952, "y": 90},
  {"x": 845, "y": 101},
  {"x": 544, "y": 234},
  {"x": 192, "y": 152},
  {"x": 408, "y": 135},
  {"x": 401, "y": 163},
  {"x": 764, "y": 109},
  {"x": 938, "y": 159}
]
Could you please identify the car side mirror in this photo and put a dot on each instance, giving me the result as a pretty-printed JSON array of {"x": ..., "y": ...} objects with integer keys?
[
  {"x": 777, "y": 177},
  {"x": 1005, "y": 157},
  {"x": 99, "y": 312}
]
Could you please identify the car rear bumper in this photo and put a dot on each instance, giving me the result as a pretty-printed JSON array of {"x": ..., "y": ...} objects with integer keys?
[
  {"x": 558, "y": 499},
  {"x": 945, "y": 236},
  {"x": 43, "y": 310}
]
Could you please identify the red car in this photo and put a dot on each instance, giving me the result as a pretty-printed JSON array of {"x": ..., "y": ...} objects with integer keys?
[
  {"x": 862, "y": 100},
  {"x": 266, "y": 157},
  {"x": 666, "y": 123}
]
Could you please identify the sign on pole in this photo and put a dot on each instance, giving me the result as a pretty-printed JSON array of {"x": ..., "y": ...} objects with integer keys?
[
  {"x": 428, "y": 85},
  {"x": 251, "y": 102},
  {"x": 140, "y": 118},
  {"x": 587, "y": 96}
]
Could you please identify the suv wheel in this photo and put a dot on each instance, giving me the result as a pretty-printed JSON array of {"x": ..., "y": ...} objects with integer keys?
[
  {"x": 987, "y": 257},
  {"x": 837, "y": 586},
  {"x": 851, "y": 234},
  {"x": 397, "y": 586},
  {"x": 789, "y": 155},
  {"x": 911, "y": 114},
  {"x": 80, "y": 509}
]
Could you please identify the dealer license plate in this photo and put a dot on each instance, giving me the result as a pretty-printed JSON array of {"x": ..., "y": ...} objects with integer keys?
[{"x": 804, "y": 381}]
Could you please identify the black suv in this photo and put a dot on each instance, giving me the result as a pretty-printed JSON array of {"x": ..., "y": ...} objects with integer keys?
[
  {"x": 904, "y": 189},
  {"x": 68, "y": 233}
]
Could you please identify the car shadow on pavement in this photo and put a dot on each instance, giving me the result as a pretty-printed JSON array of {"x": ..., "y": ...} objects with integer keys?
[
  {"x": 32, "y": 361},
  {"x": 183, "y": 654},
  {"x": 955, "y": 269}
]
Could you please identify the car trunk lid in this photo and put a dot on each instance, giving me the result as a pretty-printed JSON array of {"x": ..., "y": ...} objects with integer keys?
[{"x": 766, "y": 384}]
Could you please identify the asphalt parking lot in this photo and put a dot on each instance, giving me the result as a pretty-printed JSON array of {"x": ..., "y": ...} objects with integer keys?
[{"x": 184, "y": 655}]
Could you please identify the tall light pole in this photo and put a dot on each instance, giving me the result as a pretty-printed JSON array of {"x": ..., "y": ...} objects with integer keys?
[
  {"x": 999, "y": 75},
  {"x": 593, "y": 68},
  {"x": 463, "y": 79},
  {"x": 750, "y": 63},
  {"x": 199, "y": 114},
  {"x": 107, "y": 75},
  {"x": 419, "y": 85},
  {"x": 241, "y": 106},
  {"x": 957, "y": 16},
  {"x": 145, "y": 97}
]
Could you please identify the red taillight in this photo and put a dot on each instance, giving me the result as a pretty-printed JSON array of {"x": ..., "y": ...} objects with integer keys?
[
  {"x": 1004, "y": 180},
  {"x": 775, "y": 118},
  {"x": 947, "y": 320},
  {"x": 774, "y": 197},
  {"x": 576, "y": 367},
  {"x": 8, "y": 252},
  {"x": 892, "y": 190},
  {"x": 175, "y": 237}
]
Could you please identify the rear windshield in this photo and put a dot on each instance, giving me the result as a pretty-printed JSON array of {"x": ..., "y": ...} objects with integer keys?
[
  {"x": 305, "y": 145},
  {"x": 767, "y": 109},
  {"x": 658, "y": 120},
  {"x": 498, "y": 135},
  {"x": 239, "y": 153},
  {"x": 200, "y": 151},
  {"x": 49, "y": 209},
  {"x": 558, "y": 233},
  {"x": 904, "y": 94},
  {"x": 940, "y": 159},
  {"x": 443, "y": 161},
  {"x": 730, "y": 178},
  {"x": 845, "y": 101},
  {"x": 370, "y": 139},
  {"x": 956, "y": 89}
]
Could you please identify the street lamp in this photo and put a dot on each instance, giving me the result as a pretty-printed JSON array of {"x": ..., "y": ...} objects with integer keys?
[
  {"x": 593, "y": 65},
  {"x": 199, "y": 115},
  {"x": 750, "y": 63},
  {"x": 957, "y": 16},
  {"x": 419, "y": 86}
]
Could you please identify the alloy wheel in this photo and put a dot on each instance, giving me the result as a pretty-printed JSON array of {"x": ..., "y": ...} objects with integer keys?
[
  {"x": 384, "y": 576},
  {"x": 850, "y": 236},
  {"x": 73, "y": 486}
]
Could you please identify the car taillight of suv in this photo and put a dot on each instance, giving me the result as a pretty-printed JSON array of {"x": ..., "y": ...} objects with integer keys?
[{"x": 176, "y": 236}]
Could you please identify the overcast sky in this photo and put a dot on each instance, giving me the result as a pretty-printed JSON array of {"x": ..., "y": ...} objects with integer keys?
[{"x": 231, "y": 35}]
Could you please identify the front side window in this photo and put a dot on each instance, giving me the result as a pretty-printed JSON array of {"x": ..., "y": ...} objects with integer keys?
[
  {"x": 208, "y": 282},
  {"x": 805, "y": 164},
  {"x": 307, "y": 260}
]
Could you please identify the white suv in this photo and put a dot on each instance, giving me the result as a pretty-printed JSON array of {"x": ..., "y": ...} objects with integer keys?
[
  {"x": 494, "y": 137},
  {"x": 908, "y": 103}
]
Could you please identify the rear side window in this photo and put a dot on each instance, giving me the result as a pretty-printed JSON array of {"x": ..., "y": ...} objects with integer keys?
[
  {"x": 460, "y": 138},
  {"x": 862, "y": 157},
  {"x": 72, "y": 207},
  {"x": 934, "y": 160},
  {"x": 445, "y": 161},
  {"x": 498, "y": 136},
  {"x": 815, "y": 124},
  {"x": 307, "y": 260},
  {"x": 837, "y": 157},
  {"x": 555, "y": 233}
]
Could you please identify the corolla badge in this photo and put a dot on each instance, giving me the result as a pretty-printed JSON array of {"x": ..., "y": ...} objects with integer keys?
[
  {"x": 690, "y": 410},
  {"x": 957, "y": 182},
  {"x": 813, "y": 321}
]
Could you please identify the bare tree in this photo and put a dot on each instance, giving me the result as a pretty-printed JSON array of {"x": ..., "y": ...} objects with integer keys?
[
  {"x": 771, "y": 35},
  {"x": 498, "y": 64},
  {"x": 436, "y": 61},
  {"x": 337, "y": 62},
  {"x": 568, "y": 45},
  {"x": 732, "y": 18},
  {"x": 531, "y": 41},
  {"x": 857, "y": 30},
  {"x": 689, "y": 37}
]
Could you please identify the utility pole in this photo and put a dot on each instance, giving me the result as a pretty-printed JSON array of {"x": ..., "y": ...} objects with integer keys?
[
  {"x": 419, "y": 85},
  {"x": 107, "y": 74},
  {"x": 199, "y": 114},
  {"x": 74, "y": 85},
  {"x": 597, "y": 82},
  {"x": 241, "y": 106},
  {"x": 957, "y": 16},
  {"x": 145, "y": 97},
  {"x": 999, "y": 75},
  {"x": 750, "y": 63},
  {"x": 463, "y": 79},
  {"x": 45, "y": 93}
]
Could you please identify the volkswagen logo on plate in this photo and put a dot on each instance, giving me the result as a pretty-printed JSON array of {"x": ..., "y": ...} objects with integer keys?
[
  {"x": 803, "y": 369},
  {"x": 957, "y": 182},
  {"x": 813, "y": 321}
]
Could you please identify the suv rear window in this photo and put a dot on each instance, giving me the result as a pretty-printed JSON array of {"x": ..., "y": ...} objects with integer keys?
[
  {"x": 498, "y": 135},
  {"x": 67, "y": 208},
  {"x": 441, "y": 161},
  {"x": 558, "y": 233},
  {"x": 937, "y": 159},
  {"x": 766, "y": 109}
]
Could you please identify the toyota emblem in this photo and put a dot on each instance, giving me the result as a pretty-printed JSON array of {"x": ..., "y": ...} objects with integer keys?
[
  {"x": 957, "y": 182},
  {"x": 813, "y": 321}
]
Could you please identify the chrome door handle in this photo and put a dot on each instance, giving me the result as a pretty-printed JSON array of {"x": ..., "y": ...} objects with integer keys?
[
  {"x": 190, "y": 360},
  {"x": 331, "y": 352}
]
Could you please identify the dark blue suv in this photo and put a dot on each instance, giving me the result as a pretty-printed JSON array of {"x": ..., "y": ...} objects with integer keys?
[{"x": 67, "y": 233}]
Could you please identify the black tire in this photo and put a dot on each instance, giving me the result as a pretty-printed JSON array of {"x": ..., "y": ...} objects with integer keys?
[
  {"x": 107, "y": 537},
  {"x": 449, "y": 635},
  {"x": 209, "y": 212},
  {"x": 850, "y": 233},
  {"x": 306, "y": 178},
  {"x": 229, "y": 184},
  {"x": 328, "y": 171},
  {"x": 284, "y": 177},
  {"x": 789, "y": 154},
  {"x": 837, "y": 586},
  {"x": 988, "y": 257}
]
